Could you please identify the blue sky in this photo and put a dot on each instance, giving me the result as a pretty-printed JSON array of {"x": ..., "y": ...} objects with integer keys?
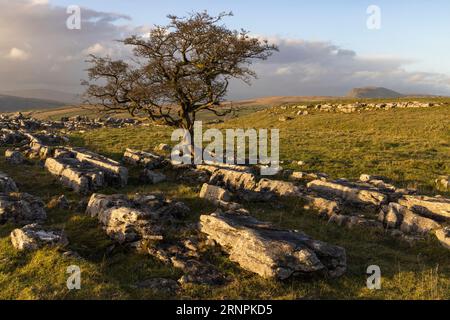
[{"x": 412, "y": 29}]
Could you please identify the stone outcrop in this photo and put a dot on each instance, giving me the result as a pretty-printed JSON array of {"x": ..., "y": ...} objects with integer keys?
[
  {"x": 152, "y": 177},
  {"x": 396, "y": 216},
  {"x": 214, "y": 194},
  {"x": 437, "y": 208},
  {"x": 234, "y": 180},
  {"x": 280, "y": 188},
  {"x": 358, "y": 195},
  {"x": 144, "y": 159},
  {"x": 352, "y": 221},
  {"x": 86, "y": 172},
  {"x": 323, "y": 206},
  {"x": 81, "y": 178},
  {"x": 11, "y": 137},
  {"x": 32, "y": 237},
  {"x": 443, "y": 235},
  {"x": 114, "y": 172},
  {"x": 270, "y": 252},
  {"x": 7, "y": 184},
  {"x": 128, "y": 220},
  {"x": 21, "y": 208},
  {"x": 14, "y": 157}
]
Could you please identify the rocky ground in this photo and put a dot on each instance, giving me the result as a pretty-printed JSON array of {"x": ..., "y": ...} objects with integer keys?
[{"x": 193, "y": 229}]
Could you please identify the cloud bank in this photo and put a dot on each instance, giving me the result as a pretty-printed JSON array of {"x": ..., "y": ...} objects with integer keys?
[{"x": 38, "y": 51}]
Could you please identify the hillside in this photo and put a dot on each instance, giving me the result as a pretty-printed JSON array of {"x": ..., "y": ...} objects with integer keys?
[
  {"x": 43, "y": 94},
  {"x": 377, "y": 142},
  {"x": 373, "y": 93},
  {"x": 13, "y": 103}
]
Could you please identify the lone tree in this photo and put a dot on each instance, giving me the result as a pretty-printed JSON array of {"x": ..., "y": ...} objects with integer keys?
[{"x": 177, "y": 71}]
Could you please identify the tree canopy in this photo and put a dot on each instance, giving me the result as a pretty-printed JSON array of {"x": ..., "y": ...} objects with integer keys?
[{"x": 177, "y": 70}]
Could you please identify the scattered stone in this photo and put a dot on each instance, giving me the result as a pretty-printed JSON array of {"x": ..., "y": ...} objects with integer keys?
[
  {"x": 152, "y": 177},
  {"x": 141, "y": 158},
  {"x": 128, "y": 220},
  {"x": 352, "y": 221},
  {"x": 163, "y": 147},
  {"x": 214, "y": 193},
  {"x": 162, "y": 285},
  {"x": 280, "y": 188},
  {"x": 324, "y": 207},
  {"x": 14, "y": 157},
  {"x": 234, "y": 180},
  {"x": 284, "y": 119},
  {"x": 443, "y": 236},
  {"x": 7, "y": 184},
  {"x": 195, "y": 270},
  {"x": 349, "y": 192},
  {"x": 32, "y": 237},
  {"x": 398, "y": 216},
  {"x": 437, "y": 208},
  {"x": 272, "y": 253},
  {"x": 115, "y": 174},
  {"x": 82, "y": 178},
  {"x": 60, "y": 202},
  {"x": 21, "y": 208}
]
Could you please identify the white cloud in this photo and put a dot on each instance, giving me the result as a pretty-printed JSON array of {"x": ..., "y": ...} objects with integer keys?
[
  {"x": 18, "y": 54},
  {"x": 52, "y": 56}
]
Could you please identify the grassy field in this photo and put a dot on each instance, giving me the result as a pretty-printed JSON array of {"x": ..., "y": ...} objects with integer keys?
[{"x": 409, "y": 146}]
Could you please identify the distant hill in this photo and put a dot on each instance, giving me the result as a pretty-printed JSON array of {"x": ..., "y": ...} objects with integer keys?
[
  {"x": 12, "y": 103},
  {"x": 43, "y": 94},
  {"x": 373, "y": 93}
]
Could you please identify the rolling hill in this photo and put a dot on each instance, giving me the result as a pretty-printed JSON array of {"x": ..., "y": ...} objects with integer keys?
[
  {"x": 373, "y": 93},
  {"x": 12, "y": 103}
]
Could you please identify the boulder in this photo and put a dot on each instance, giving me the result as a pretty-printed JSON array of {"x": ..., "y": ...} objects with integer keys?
[
  {"x": 437, "y": 208},
  {"x": 352, "y": 221},
  {"x": 234, "y": 180},
  {"x": 14, "y": 157},
  {"x": 127, "y": 220},
  {"x": 443, "y": 235},
  {"x": 7, "y": 184},
  {"x": 152, "y": 177},
  {"x": 81, "y": 177},
  {"x": 114, "y": 173},
  {"x": 352, "y": 193},
  {"x": 270, "y": 252},
  {"x": 392, "y": 215},
  {"x": 280, "y": 188},
  {"x": 397, "y": 216},
  {"x": 214, "y": 193},
  {"x": 414, "y": 223},
  {"x": 141, "y": 158},
  {"x": 325, "y": 207},
  {"x": 21, "y": 208},
  {"x": 32, "y": 237}
]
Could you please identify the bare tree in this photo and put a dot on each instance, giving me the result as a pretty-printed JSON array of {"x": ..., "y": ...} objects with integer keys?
[{"x": 177, "y": 71}]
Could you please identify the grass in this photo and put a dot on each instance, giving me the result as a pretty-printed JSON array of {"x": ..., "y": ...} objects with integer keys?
[{"x": 410, "y": 146}]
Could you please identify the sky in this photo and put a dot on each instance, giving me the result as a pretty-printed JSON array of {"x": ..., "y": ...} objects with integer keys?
[{"x": 325, "y": 46}]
